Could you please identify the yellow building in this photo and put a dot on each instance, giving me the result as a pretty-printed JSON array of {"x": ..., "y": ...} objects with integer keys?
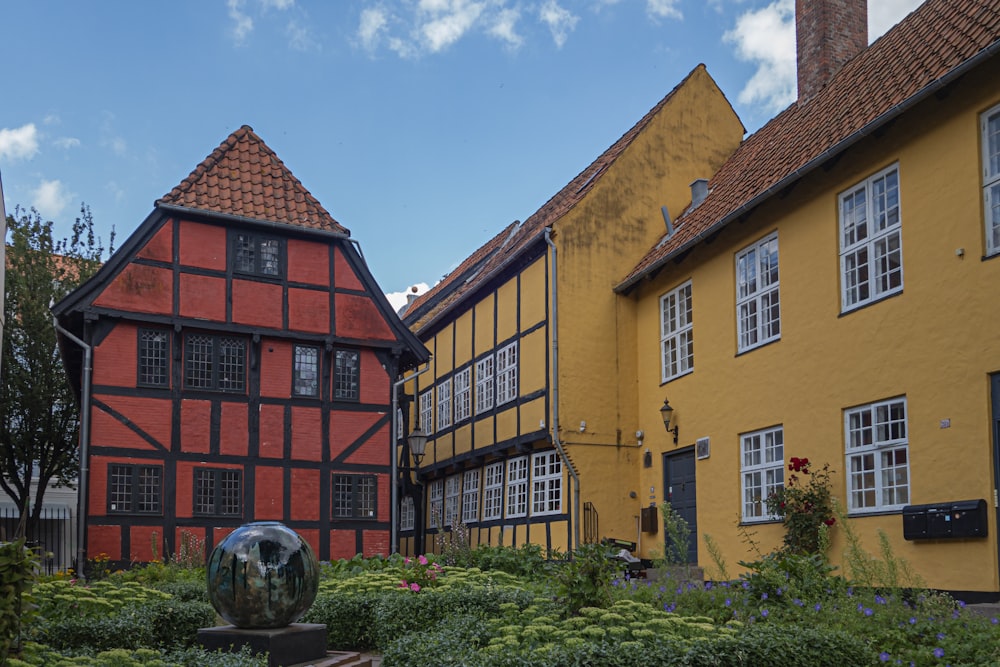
[
  {"x": 530, "y": 397},
  {"x": 830, "y": 299}
]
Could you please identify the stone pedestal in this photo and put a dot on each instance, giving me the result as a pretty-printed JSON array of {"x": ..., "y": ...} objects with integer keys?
[{"x": 290, "y": 645}]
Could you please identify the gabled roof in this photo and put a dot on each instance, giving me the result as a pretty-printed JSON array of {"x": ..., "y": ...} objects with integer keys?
[
  {"x": 511, "y": 244},
  {"x": 933, "y": 46},
  {"x": 243, "y": 177}
]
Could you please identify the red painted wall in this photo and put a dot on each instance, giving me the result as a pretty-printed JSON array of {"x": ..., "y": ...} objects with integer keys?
[
  {"x": 203, "y": 297},
  {"x": 308, "y": 310},
  {"x": 104, "y": 540},
  {"x": 150, "y": 415},
  {"x": 357, "y": 317},
  {"x": 275, "y": 368},
  {"x": 203, "y": 246},
  {"x": 115, "y": 358},
  {"x": 161, "y": 246},
  {"x": 196, "y": 425},
  {"x": 272, "y": 431},
  {"x": 342, "y": 544},
  {"x": 257, "y": 303},
  {"x": 305, "y": 497},
  {"x": 267, "y": 497},
  {"x": 343, "y": 274},
  {"x": 308, "y": 262},
  {"x": 140, "y": 289},
  {"x": 307, "y": 438},
  {"x": 346, "y": 427},
  {"x": 233, "y": 430}
]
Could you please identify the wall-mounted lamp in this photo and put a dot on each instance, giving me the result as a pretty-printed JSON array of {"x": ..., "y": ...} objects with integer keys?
[
  {"x": 418, "y": 444},
  {"x": 667, "y": 412}
]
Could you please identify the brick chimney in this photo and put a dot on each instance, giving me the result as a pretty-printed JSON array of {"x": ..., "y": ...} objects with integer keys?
[{"x": 828, "y": 33}]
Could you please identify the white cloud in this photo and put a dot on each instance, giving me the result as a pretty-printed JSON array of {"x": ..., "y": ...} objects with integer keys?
[
  {"x": 374, "y": 22},
  {"x": 280, "y": 5},
  {"x": 50, "y": 198},
  {"x": 666, "y": 9},
  {"x": 448, "y": 21},
  {"x": 66, "y": 143},
  {"x": 560, "y": 21},
  {"x": 766, "y": 37},
  {"x": 116, "y": 191},
  {"x": 300, "y": 37},
  {"x": 398, "y": 299},
  {"x": 242, "y": 23},
  {"x": 20, "y": 143},
  {"x": 884, "y": 14},
  {"x": 51, "y": 119},
  {"x": 504, "y": 27}
]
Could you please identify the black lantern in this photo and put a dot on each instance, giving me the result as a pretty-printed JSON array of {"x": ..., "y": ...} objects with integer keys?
[{"x": 667, "y": 412}]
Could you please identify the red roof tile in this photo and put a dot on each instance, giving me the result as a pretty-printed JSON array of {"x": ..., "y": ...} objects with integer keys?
[
  {"x": 916, "y": 57},
  {"x": 511, "y": 243},
  {"x": 244, "y": 177}
]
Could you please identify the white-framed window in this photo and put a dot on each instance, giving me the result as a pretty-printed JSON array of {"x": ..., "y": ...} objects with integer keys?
[
  {"x": 435, "y": 505},
  {"x": 507, "y": 373},
  {"x": 546, "y": 483},
  {"x": 517, "y": 487},
  {"x": 493, "y": 491},
  {"x": 452, "y": 492},
  {"x": 878, "y": 466},
  {"x": 463, "y": 394},
  {"x": 871, "y": 243},
  {"x": 406, "y": 513},
  {"x": 762, "y": 470},
  {"x": 676, "y": 335},
  {"x": 444, "y": 405},
  {"x": 427, "y": 411},
  {"x": 991, "y": 178},
  {"x": 484, "y": 385},
  {"x": 758, "y": 312},
  {"x": 470, "y": 496}
]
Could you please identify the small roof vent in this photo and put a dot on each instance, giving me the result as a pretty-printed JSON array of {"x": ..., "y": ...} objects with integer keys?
[{"x": 699, "y": 190}]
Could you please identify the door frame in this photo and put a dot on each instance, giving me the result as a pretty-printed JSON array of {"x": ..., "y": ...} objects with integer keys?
[{"x": 667, "y": 495}]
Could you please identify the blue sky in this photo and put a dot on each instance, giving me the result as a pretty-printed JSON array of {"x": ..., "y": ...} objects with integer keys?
[{"x": 423, "y": 126}]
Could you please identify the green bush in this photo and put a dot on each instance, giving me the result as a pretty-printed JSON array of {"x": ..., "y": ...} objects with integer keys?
[
  {"x": 781, "y": 646},
  {"x": 154, "y": 624},
  {"x": 348, "y": 618},
  {"x": 36, "y": 655},
  {"x": 585, "y": 580},
  {"x": 18, "y": 571}
]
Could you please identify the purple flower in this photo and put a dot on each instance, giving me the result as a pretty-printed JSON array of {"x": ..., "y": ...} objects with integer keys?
[
  {"x": 868, "y": 611},
  {"x": 913, "y": 620},
  {"x": 818, "y": 606},
  {"x": 765, "y": 613},
  {"x": 879, "y": 599},
  {"x": 884, "y": 656},
  {"x": 763, "y": 596},
  {"x": 939, "y": 652},
  {"x": 708, "y": 585},
  {"x": 729, "y": 602},
  {"x": 961, "y": 604},
  {"x": 779, "y": 591},
  {"x": 797, "y": 602},
  {"x": 670, "y": 607},
  {"x": 940, "y": 636},
  {"x": 994, "y": 620},
  {"x": 746, "y": 585},
  {"x": 850, "y": 591}
]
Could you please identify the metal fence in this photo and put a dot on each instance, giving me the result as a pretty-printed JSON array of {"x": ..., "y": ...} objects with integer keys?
[{"x": 54, "y": 540}]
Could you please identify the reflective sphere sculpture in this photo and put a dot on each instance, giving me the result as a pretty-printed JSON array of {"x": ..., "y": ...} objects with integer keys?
[{"x": 263, "y": 575}]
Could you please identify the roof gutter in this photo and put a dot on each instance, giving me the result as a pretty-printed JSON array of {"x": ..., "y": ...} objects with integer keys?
[
  {"x": 230, "y": 217},
  {"x": 813, "y": 164}
]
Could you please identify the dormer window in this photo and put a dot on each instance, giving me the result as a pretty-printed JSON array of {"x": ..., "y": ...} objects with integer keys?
[{"x": 256, "y": 254}]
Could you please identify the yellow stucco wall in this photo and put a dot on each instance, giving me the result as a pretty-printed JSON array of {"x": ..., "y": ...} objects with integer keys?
[
  {"x": 598, "y": 243},
  {"x": 935, "y": 343}
]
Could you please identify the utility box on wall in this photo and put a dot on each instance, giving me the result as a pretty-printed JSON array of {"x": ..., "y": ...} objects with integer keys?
[
  {"x": 648, "y": 520},
  {"x": 960, "y": 519}
]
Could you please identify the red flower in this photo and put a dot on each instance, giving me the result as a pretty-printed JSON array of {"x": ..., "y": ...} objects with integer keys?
[{"x": 830, "y": 521}]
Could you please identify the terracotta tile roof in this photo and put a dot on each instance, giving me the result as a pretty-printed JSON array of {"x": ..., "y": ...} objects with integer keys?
[
  {"x": 244, "y": 177},
  {"x": 922, "y": 53},
  {"x": 499, "y": 251}
]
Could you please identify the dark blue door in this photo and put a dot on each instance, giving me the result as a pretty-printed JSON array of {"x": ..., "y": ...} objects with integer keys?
[
  {"x": 995, "y": 403},
  {"x": 679, "y": 487}
]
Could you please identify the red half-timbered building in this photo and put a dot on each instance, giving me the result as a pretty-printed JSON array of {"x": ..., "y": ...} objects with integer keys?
[{"x": 242, "y": 364}]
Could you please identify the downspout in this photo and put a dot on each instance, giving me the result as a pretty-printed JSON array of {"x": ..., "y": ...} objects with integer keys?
[
  {"x": 575, "y": 481},
  {"x": 394, "y": 469},
  {"x": 81, "y": 505}
]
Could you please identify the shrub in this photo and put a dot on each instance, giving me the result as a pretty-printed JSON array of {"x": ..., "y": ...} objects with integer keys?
[
  {"x": 805, "y": 505},
  {"x": 18, "y": 571},
  {"x": 585, "y": 581},
  {"x": 348, "y": 618},
  {"x": 781, "y": 646}
]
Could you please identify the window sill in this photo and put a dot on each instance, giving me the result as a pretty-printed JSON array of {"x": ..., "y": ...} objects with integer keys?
[
  {"x": 858, "y": 514},
  {"x": 867, "y": 304},
  {"x": 758, "y": 522},
  {"x": 740, "y": 353},
  {"x": 676, "y": 377}
]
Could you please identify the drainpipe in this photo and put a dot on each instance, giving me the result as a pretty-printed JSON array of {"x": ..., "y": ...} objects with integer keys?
[
  {"x": 394, "y": 469},
  {"x": 575, "y": 481},
  {"x": 81, "y": 505}
]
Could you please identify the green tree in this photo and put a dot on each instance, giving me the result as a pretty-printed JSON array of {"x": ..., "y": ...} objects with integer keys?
[{"x": 38, "y": 410}]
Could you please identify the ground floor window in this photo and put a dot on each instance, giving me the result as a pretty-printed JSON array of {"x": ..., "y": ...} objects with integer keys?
[
  {"x": 762, "y": 470},
  {"x": 217, "y": 492},
  {"x": 878, "y": 467},
  {"x": 135, "y": 489},
  {"x": 546, "y": 483},
  {"x": 354, "y": 496}
]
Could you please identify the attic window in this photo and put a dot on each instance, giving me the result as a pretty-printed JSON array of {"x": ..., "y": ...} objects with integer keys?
[{"x": 256, "y": 255}]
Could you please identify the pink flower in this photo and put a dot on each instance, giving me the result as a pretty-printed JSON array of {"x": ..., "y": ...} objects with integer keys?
[
  {"x": 415, "y": 587},
  {"x": 403, "y": 584},
  {"x": 406, "y": 561},
  {"x": 422, "y": 560}
]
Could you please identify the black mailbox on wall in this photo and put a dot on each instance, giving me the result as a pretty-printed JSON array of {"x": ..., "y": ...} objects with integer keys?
[
  {"x": 952, "y": 520},
  {"x": 648, "y": 521}
]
